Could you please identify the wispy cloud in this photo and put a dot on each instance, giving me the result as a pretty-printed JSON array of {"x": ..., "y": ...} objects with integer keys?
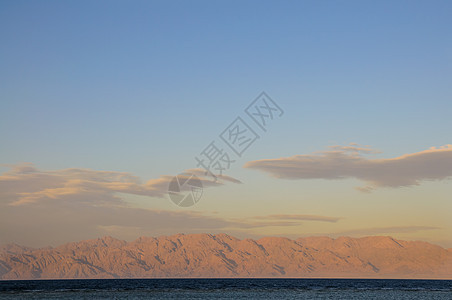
[
  {"x": 26, "y": 184},
  {"x": 348, "y": 162},
  {"x": 300, "y": 218},
  {"x": 385, "y": 230},
  {"x": 281, "y": 220}
]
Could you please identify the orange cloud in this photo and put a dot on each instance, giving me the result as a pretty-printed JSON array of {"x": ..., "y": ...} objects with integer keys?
[{"x": 25, "y": 184}]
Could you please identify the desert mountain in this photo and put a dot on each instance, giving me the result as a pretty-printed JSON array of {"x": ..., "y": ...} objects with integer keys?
[{"x": 205, "y": 255}]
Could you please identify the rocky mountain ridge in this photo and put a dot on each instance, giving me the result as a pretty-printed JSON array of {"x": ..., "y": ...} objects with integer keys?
[{"x": 221, "y": 255}]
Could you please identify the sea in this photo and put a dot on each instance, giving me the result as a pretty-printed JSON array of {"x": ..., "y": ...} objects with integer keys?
[{"x": 226, "y": 289}]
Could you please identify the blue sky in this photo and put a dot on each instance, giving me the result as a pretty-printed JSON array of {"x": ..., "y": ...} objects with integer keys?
[{"x": 142, "y": 87}]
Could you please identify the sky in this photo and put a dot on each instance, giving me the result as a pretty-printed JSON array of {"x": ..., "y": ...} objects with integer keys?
[{"x": 103, "y": 102}]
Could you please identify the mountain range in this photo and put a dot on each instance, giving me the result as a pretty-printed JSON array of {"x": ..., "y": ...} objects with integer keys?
[{"x": 221, "y": 255}]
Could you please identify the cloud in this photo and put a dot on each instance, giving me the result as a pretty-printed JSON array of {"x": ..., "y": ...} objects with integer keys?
[
  {"x": 385, "y": 230},
  {"x": 39, "y": 208},
  {"x": 281, "y": 220},
  {"x": 41, "y": 224},
  {"x": 300, "y": 218},
  {"x": 25, "y": 184},
  {"x": 342, "y": 162},
  {"x": 42, "y": 207}
]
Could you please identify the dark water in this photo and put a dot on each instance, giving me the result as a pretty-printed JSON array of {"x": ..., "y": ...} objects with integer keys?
[{"x": 228, "y": 289}]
